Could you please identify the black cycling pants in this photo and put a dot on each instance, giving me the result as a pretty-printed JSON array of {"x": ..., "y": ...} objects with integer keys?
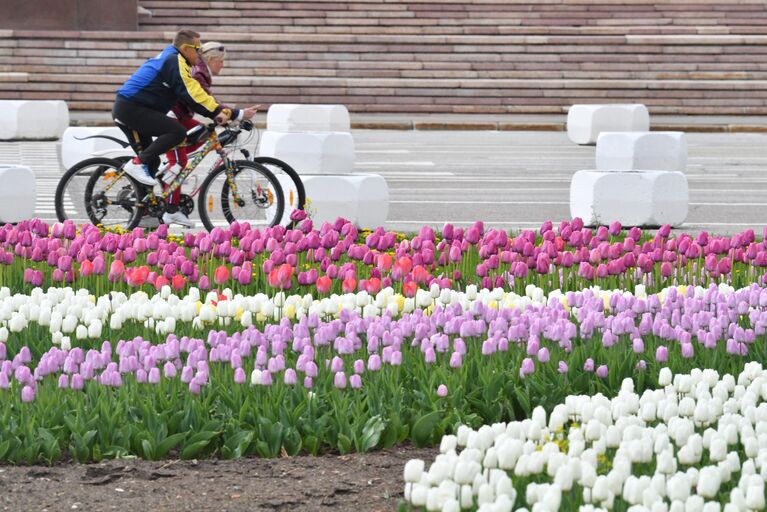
[{"x": 140, "y": 124}]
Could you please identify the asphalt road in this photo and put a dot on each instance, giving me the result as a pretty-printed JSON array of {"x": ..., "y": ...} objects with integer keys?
[{"x": 513, "y": 180}]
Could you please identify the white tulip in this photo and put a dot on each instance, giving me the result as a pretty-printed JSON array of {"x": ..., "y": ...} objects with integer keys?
[
  {"x": 451, "y": 505},
  {"x": 66, "y": 344},
  {"x": 665, "y": 377},
  {"x": 712, "y": 506},
  {"x": 465, "y": 471},
  {"x": 678, "y": 487},
  {"x": 709, "y": 481},
  {"x": 666, "y": 462},
  {"x": 94, "y": 329},
  {"x": 418, "y": 495},
  {"x": 448, "y": 443},
  {"x": 81, "y": 332}
]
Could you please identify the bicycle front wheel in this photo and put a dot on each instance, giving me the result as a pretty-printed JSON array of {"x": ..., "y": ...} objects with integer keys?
[
  {"x": 250, "y": 193},
  {"x": 113, "y": 199},
  {"x": 290, "y": 181},
  {"x": 70, "y": 191}
]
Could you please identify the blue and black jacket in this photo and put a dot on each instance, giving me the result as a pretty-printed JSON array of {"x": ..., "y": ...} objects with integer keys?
[{"x": 161, "y": 81}]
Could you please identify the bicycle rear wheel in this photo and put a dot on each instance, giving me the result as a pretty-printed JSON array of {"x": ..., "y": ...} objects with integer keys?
[
  {"x": 260, "y": 201},
  {"x": 290, "y": 181},
  {"x": 70, "y": 190},
  {"x": 113, "y": 199}
]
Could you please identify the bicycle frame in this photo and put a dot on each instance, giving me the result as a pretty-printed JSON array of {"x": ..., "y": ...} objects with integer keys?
[{"x": 211, "y": 144}]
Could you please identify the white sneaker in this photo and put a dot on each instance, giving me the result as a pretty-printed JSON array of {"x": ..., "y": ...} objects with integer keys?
[
  {"x": 177, "y": 218},
  {"x": 140, "y": 173}
]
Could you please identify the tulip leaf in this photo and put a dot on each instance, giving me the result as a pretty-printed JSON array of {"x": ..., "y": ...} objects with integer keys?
[
  {"x": 291, "y": 441},
  {"x": 424, "y": 428},
  {"x": 371, "y": 433},
  {"x": 191, "y": 451},
  {"x": 344, "y": 444},
  {"x": 147, "y": 448},
  {"x": 312, "y": 444},
  {"x": 170, "y": 442},
  {"x": 4, "y": 446},
  {"x": 237, "y": 445}
]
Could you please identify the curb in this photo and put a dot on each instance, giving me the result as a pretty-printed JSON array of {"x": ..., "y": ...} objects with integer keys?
[{"x": 491, "y": 126}]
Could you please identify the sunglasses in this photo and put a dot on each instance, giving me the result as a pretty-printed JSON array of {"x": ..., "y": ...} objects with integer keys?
[{"x": 195, "y": 47}]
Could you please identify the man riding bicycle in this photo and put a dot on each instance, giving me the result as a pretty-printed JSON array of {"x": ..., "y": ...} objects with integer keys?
[{"x": 144, "y": 100}]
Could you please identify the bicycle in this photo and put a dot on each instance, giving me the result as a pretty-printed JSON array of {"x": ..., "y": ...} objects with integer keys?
[
  {"x": 235, "y": 190},
  {"x": 72, "y": 184}
]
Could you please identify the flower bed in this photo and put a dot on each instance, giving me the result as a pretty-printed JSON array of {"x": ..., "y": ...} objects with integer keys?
[
  {"x": 698, "y": 443},
  {"x": 245, "y": 342},
  {"x": 337, "y": 258},
  {"x": 481, "y": 356}
]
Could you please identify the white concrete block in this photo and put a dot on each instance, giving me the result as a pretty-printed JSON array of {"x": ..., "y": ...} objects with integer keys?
[
  {"x": 283, "y": 117},
  {"x": 17, "y": 193},
  {"x": 636, "y": 151},
  {"x": 311, "y": 152},
  {"x": 646, "y": 198},
  {"x": 33, "y": 119},
  {"x": 585, "y": 122},
  {"x": 361, "y": 198},
  {"x": 74, "y": 150}
]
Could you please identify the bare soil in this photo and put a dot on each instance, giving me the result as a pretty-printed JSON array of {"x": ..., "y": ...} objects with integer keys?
[{"x": 358, "y": 482}]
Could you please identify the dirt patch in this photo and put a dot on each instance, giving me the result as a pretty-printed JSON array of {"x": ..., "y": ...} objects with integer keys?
[{"x": 358, "y": 482}]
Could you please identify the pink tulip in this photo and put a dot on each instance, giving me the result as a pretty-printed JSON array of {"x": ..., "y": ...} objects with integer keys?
[{"x": 442, "y": 391}]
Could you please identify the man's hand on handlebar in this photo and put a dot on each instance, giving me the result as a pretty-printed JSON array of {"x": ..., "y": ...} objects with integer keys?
[
  {"x": 223, "y": 117},
  {"x": 250, "y": 111}
]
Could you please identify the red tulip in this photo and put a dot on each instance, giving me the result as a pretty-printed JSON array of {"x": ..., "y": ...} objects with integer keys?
[
  {"x": 409, "y": 289},
  {"x": 221, "y": 274},
  {"x": 373, "y": 285},
  {"x": 349, "y": 285},
  {"x": 160, "y": 282},
  {"x": 86, "y": 268},
  {"x": 178, "y": 282},
  {"x": 323, "y": 284},
  {"x": 284, "y": 275}
]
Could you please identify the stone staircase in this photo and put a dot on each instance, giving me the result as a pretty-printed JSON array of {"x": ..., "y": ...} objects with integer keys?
[{"x": 467, "y": 56}]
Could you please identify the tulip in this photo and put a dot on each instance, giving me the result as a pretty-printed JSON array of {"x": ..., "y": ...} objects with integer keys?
[
  {"x": 27, "y": 394},
  {"x": 527, "y": 367},
  {"x": 339, "y": 380},
  {"x": 661, "y": 354},
  {"x": 221, "y": 274},
  {"x": 442, "y": 391},
  {"x": 602, "y": 371},
  {"x": 588, "y": 365}
]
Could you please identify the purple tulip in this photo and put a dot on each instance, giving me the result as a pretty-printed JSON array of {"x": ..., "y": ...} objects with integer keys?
[
  {"x": 27, "y": 394},
  {"x": 374, "y": 363},
  {"x": 588, "y": 365},
  {"x": 661, "y": 354},
  {"x": 290, "y": 378},
  {"x": 239, "y": 376},
  {"x": 78, "y": 382},
  {"x": 442, "y": 391},
  {"x": 339, "y": 380},
  {"x": 543, "y": 355},
  {"x": 602, "y": 371},
  {"x": 527, "y": 367},
  {"x": 355, "y": 381},
  {"x": 562, "y": 367},
  {"x": 637, "y": 345}
]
